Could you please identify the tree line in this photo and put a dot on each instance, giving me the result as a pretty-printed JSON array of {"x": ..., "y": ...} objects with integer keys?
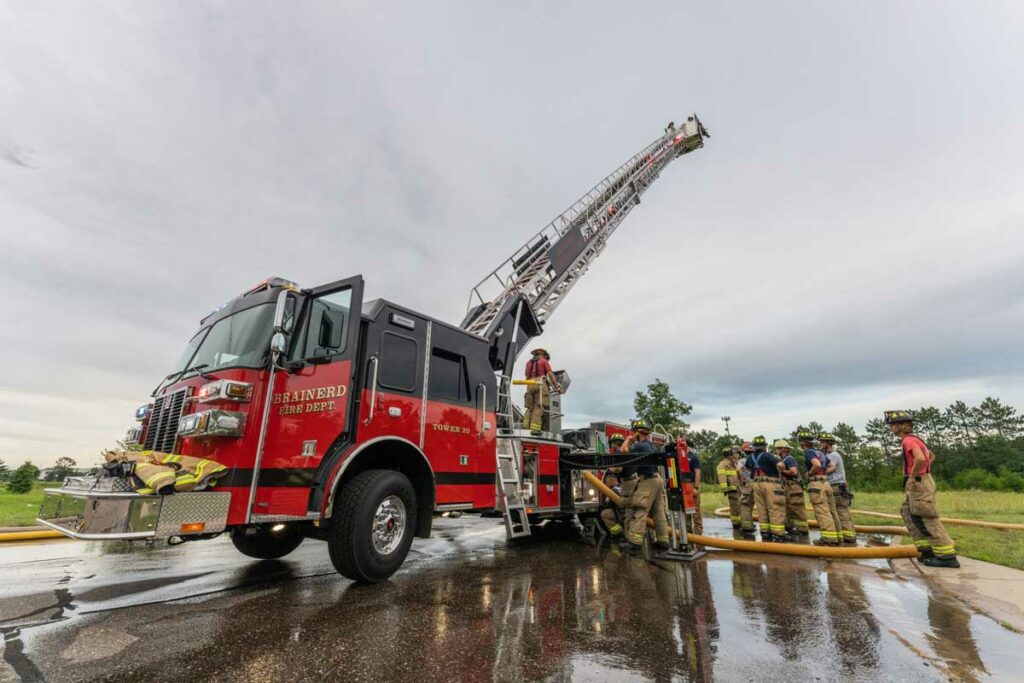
[
  {"x": 975, "y": 447},
  {"x": 20, "y": 479}
]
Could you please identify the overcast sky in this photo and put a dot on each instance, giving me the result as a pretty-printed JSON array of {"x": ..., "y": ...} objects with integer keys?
[{"x": 848, "y": 241}]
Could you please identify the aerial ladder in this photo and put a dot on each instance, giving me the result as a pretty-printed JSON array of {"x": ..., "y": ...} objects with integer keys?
[{"x": 511, "y": 305}]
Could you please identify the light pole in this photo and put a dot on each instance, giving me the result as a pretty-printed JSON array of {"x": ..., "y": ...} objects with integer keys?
[{"x": 725, "y": 419}]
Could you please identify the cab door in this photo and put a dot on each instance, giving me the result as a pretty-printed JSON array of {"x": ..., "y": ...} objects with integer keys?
[
  {"x": 459, "y": 426},
  {"x": 312, "y": 404}
]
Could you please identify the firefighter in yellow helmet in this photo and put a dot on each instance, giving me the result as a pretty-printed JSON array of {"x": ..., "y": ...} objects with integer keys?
[
  {"x": 819, "y": 491},
  {"x": 612, "y": 516},
  {"x": 919, "y": 511},
  {"x": 769, "y": 496},
  {"x": 729, "y": 482},
  {"x": 649, "y": 495},
  {"x": 836, "y": 475},
  {"x": 746, "y": 486}
]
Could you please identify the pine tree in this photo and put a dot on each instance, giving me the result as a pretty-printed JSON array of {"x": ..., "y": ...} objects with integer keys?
[{"x": 23, "y": 478}]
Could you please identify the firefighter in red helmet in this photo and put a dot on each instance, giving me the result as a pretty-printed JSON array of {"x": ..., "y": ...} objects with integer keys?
[{"x": 542, "y": 382}]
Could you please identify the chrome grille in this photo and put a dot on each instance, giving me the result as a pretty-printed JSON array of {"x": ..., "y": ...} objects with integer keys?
[{"x": 163, "y": 420}]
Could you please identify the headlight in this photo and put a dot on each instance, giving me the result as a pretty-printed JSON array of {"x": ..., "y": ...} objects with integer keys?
[
  {"x": 212, "y": 423},
  {"x": 133, "y": 436},
  {"x": 224, "y": 390},
  {"x": 142, "y": 411}
]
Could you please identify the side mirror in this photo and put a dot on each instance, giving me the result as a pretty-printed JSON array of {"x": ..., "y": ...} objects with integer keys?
[
  {"x": 278, "y": 343},
  {"x": 282, "y": 301}
]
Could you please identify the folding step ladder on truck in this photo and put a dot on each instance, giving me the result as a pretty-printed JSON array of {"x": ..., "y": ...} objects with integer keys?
[{"x": 320, "y": 415}]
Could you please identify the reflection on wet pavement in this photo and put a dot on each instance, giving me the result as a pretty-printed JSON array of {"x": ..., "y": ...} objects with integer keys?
[{"x": 551, "y": 610}]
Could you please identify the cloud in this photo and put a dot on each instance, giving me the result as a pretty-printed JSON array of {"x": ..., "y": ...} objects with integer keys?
[{"x": 854, "y": 221}]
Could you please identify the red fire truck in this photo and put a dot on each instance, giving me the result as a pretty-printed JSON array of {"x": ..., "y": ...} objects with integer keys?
[{"x": 355, "y": 422}]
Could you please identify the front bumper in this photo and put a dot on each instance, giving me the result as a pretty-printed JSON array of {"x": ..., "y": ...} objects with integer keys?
[{"x": 106, "y": 509}]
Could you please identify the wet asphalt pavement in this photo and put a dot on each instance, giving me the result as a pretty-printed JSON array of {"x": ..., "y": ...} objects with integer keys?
[{"x": 467, "y": 607}]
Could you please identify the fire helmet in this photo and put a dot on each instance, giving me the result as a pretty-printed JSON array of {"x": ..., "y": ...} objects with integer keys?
[{"x": 895, "y": 416}]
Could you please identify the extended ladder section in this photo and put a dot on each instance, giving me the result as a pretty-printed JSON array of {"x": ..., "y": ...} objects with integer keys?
[{"x": 544, "y": 269}]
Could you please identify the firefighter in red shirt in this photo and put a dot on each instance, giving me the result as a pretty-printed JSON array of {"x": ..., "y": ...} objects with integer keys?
[
  {"x": 538, "y": 397},
  {"x": 919, "y": 510}
]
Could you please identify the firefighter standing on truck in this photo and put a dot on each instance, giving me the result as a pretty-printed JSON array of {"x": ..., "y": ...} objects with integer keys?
[
  {"x": 538, "y": 397},
  {"x": 611, "y": 515},
  {"x": 919, "y": 511},
  {"x": 746, "y": 492},
  {"x": 769, "y": 496},
  {"x": 836, "y": 475},
  {"x": 819, "y": 491},
  {"x": 729, "y": 482},
  {"x": 796, "y": 508},
  {"x": 648, "y": 496}
]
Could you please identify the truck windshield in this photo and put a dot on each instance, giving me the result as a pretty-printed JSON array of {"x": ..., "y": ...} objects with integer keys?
[{"x": 240, "y": 340}]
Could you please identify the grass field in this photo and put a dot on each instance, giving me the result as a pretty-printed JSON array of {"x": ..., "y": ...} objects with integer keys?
[
  {"x": 1000, "y": 547},
  {"x": 20, "y": 509}
]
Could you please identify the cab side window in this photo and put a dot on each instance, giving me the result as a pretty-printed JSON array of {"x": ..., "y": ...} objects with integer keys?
[
  {"x": 398, "y": 362},
  {"x": 448, "y": 377},
  {"x": 327, "y": 332}
]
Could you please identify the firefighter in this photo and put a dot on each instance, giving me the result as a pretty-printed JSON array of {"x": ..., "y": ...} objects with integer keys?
[
  {"x": 819, "y": 491},
  {"x": 746, "y": 492},
  {"x": 538, "y": 397},
  {"x": 648, "y": 496},
  {"x": 615, "y": 479},
  {"x": 728, "y": 482},
  {"x": 796, "y": 509},
  {"x": 769, "y": 496},
  {"x": 919, "y": 511},
  {"x": 836, "y": 475}
]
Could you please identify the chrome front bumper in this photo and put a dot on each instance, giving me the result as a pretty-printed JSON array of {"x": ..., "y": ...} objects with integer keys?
[{"x": 106, "y": 509}]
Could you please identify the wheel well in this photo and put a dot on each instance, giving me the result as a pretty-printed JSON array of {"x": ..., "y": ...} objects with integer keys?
[{"x": 402, "y": 457}]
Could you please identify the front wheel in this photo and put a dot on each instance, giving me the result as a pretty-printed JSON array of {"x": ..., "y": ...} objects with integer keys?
[
  {"x": 372, "y": 526},
  {"x": 265, "y": 544}
]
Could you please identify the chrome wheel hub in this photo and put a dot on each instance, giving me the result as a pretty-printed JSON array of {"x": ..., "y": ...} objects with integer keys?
[{"x": 388, "y": 525}]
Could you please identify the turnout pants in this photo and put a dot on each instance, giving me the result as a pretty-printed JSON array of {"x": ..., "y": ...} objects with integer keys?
[
  {"x": 165, "y": 473},
  {"x": 647, "y": 499},
  {"x": 819, "y": 491},
  {"x": 844, "y": 500},
  {"x": 613, "y": 517},
  {"x": 695, "y": 522},
  {"x": 537, "y": 400},
  {"x": 735, "y": 513},
  {"x": 747, "y": 505},
  {"x": 922, "y": 517},
  {"x": 796, "y": 509},
  {"x": 770, "y": 499}
]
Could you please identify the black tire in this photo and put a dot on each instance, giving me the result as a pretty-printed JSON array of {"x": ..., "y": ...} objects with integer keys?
[
  {"x": 350, "y": 535},
  {"x": 264, "y": 545}
]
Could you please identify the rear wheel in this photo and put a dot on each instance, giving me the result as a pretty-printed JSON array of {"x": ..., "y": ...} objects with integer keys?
[
  {"x": 265, "y": 544},
  {"x": 372, "y": 526}
]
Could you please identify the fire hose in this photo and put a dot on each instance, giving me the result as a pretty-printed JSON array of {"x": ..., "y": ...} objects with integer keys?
[
  {"x": 1004, "y": 526},
  {"x": 774, "y": 548},
  {"x": 860, "y": 528}
]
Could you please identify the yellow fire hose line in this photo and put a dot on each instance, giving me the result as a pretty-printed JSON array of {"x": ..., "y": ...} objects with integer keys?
[
  {"x": 29, "y": 535},
  {"x": 774, "y": 548},
  {"x": 1006, "y": 526},
  {"x": 949, "y": 520},
  {"x": 860, "y": 528}
]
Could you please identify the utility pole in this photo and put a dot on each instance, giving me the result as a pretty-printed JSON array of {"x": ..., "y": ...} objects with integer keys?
[{"x": 725, "y": 419}]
